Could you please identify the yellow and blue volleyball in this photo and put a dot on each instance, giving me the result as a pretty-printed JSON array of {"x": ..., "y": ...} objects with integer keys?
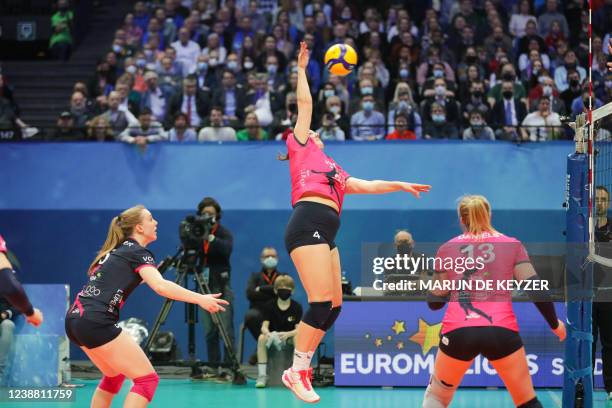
[{"x": 340, "y": 59}]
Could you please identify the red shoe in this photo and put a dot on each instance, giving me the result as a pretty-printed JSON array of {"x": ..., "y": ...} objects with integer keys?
[{"x": 300, "y": 383}]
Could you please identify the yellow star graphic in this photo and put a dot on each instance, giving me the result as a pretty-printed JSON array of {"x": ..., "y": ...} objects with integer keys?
[
  {"x": 367, "y": 335},
  {"x": 428, "y": 335},
  {"x": 398, "y": 326},
  {"x": 378, "y": 342},
  {"x": 389, "y": 338},
  {"x": 400, "y": 345}
]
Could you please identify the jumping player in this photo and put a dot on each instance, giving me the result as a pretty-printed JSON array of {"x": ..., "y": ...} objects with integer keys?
[
  {"x": 318, "y": 187},
  {"x": 484, "y": 322},
  {"x": 120, "y": 266}
]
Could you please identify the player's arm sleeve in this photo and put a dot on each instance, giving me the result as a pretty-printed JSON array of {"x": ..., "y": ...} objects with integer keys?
[
  {"x": 141, "y": 258},
  {"x": 524, "y": 270},
  {"x": 11, "y": 290},
  {"x": 436, "y": 301}
]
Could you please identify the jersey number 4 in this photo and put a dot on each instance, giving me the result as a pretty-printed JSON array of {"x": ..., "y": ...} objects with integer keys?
[{"x": 316, "y": 235}]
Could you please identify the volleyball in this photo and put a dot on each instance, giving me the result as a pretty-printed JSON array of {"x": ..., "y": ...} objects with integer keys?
[{"x": 340, "y": 59}]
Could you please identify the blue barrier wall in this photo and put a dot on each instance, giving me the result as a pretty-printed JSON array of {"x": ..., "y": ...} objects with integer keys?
[{"x": 57, "y": 201}]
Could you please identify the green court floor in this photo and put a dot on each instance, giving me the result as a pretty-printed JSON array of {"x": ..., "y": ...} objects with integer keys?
[{"x": 200, "y": 394}]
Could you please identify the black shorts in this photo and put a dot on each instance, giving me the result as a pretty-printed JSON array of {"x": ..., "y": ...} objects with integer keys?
[
  {"x": 310, "y": 224},
  {"x": 491, "y": 341},
  {"x": 89, "y": 333}
]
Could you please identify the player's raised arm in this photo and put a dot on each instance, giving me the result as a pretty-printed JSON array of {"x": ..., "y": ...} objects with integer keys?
[
  {"x": 304, "y": 99},
  {"x": 359, "y": 186}
]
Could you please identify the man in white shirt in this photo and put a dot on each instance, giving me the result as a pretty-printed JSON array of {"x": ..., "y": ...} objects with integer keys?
[
  {"x": 217, "y": 132},
  {"x": 543, "y": 124},
  {"x": 154, "y": 98},
  {"x": 187, "y": 51}
]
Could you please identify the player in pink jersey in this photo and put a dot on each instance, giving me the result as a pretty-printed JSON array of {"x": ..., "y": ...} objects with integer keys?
[
  {"x": 482, "y": 321},
  {"x": 318, "y": 186}
]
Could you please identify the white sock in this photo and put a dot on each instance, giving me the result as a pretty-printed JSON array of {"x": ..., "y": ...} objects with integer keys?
[
  {"x": 261, "y": 369},
  {"x": 301, "y": 360}
]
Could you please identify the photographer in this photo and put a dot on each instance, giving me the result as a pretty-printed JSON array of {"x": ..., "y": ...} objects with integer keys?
[
  {"x": 217, "y": 249},
  {"x": 260, "y": 289}
]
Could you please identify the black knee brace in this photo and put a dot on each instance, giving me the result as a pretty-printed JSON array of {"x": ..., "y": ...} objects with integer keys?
[
  {"x": 335, "y": 312},
  {"x": 534, "y": 403},
  {"x": 317, "y": 314}
]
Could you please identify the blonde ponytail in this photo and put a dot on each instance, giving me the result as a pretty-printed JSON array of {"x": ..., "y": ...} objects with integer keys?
[
  {"x": 475, "y": 214},
  {"x": 121, "y": 227}
]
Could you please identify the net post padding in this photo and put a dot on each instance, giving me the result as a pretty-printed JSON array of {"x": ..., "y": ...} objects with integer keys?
[{"x": 577, "y": 362}]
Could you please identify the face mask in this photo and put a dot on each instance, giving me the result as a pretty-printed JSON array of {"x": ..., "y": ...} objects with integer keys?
[
  {"x": 471, "y": 59},
  {"x": 476, "y": 123},
  {"x": 438, "y": 118},
  {"x": 116, "y": 48},
  {"x": 131, "y": 69},
  {"x": 202, "y": 66},
  {"x": 328, "y": 92},
  {"x": 213, "y": 62},
  {"x": 334, "y": 109},
  {"x": 283, "y": 294},
  {"x": 440, "y": 90},
  {"x": 574, "y": 82},
  {"x": 368, "y": 106},
  {"x": 292, "y": 107},
  {"x": 404, "y": 73},
  {"x": 367, "y": 90},
  {"x": 477, "y": 94},
  {"x": 438, "y": 73},
  {"x": 270, "y": 262},
  {"x": 402, "y": 105},
  {"x": 571, "y": 65},
  {"x": 272, "y": 69},
  {"x": 233, "y": 65},
  {"x": 547, "y": 90},
  {"x": 507, "y": 94},
  {"x": 141, "y": 62},
  {"x": 148, "y": 53},
  {"x": 404, "y": 248},
  {"x": 248, "y": 65},
  {"x": 346, "y": 16},
  {"x": 508, "y": 76}
]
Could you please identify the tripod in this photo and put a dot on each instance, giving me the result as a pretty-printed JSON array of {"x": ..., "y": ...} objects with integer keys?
[{"x": 185, "y": 262}]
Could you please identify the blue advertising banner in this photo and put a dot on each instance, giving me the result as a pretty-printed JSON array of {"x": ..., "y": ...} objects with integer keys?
[{"x": 392, "y": 343}]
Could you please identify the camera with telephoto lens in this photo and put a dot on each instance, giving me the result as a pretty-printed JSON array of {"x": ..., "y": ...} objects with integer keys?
[{"x": 194, "y": 229}]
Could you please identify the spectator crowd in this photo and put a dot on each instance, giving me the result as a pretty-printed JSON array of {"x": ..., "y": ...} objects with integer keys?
[{"x": 207, "y": 70}]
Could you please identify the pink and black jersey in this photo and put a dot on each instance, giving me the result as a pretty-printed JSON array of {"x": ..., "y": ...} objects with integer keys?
[
  {"x": 112, "y": 280},
  {"x": 312, "y": 171},
  {"x": 3, "y": 245},
  {"x": 499, "y": 254}
]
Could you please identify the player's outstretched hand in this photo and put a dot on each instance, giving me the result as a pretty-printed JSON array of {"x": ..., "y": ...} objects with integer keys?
[
  {"x": 212, "y": 303},
  {"x": 560, "y": 331},
  {"x": 416, "y": 189},
  {"x": 303, "y": 56},
  {"x": 36, "y": 318}
]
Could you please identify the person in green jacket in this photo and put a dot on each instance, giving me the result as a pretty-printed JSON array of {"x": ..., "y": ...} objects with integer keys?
[
  {"x": 60, "y": 44},
  {"x": 252, "y": 130}
]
